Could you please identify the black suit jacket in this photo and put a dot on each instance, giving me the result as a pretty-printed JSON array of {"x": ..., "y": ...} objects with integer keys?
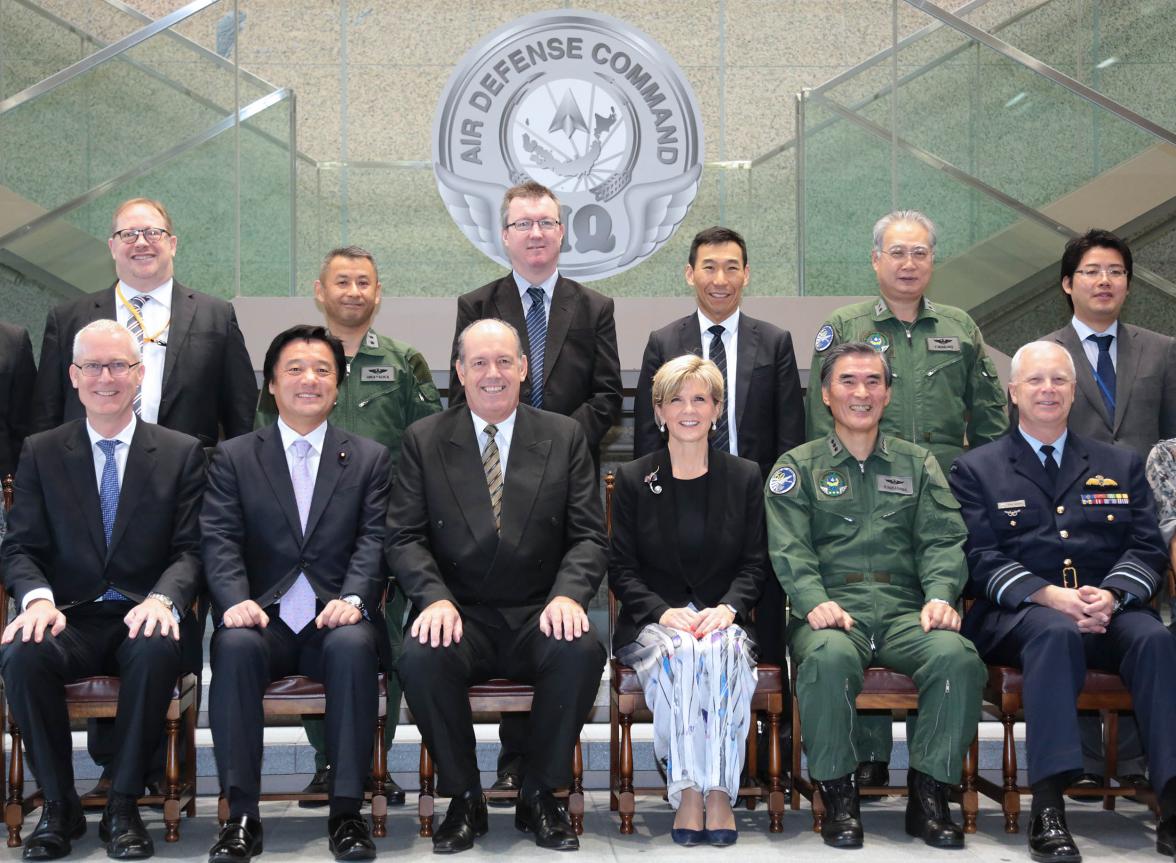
[
  {"x": 253, "y": 543},
  {"x": 581, "y": 368},
  {"x": 17, "y": 375},
  {"x": 1145, "y": 389},
  {"x": 208, "y": 379},
  {"x": 1015, "y": 524},
  {"x": 55, "y": 536},
  {"x": 769, "y": 408},
  {"x": 645, "y": 570},
  {"x": 441, "y": 538}
]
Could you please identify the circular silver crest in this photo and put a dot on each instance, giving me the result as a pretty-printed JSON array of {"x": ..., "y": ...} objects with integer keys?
[{"x": 586, "y": 105}]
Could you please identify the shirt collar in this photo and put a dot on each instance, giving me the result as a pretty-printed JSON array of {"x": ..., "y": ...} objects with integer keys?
[
  {"x": 547, "y": 284},
  {"x": 839, "y": 451},
  {"x": 505, "y": 427},
  {"x": 1035, "y": 444},
  {"x": 125, "y": 435},
  {"x": 161, "y": 295},
  {"x": 1084, "y": 331},
  {"x": 926, "y": 310},
  {"x": 369, "y": 344},
  {"x": 316, "y": 438},
  {"x": 731, "y": 324}
]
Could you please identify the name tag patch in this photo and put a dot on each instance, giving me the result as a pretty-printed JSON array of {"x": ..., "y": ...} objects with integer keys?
[
  {"x": 896, "y": 484},
  {"x": 943, "y": 343},
  {"x": 1011, "y": 504},
  {"x": 378, "y": 374}
]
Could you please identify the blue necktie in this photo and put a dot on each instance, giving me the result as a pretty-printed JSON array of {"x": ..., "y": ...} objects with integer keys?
[
  {"x": 1105, "y": 372},
  {"x": 108, "y": 488},
  {"x": 537, "y": 339},
  {"x": 721, "y": 439}
]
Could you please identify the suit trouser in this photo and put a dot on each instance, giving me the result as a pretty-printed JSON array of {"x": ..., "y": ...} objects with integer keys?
[
  {"x": 93, "y": 642},
  {"x": 244, "y": 662},
  {"x": 565, "y": 675},
  {"x": 831, "y": 666},
  {"x": 1054, "y": 656}
]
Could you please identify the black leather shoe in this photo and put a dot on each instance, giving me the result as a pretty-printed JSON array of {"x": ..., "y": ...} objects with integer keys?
[
  {"x": 60, "y": 822},
  {"x": 393, "y": 792},
  {"x": 240, "y": 841},
  {"x": 872, "y": 774},
  {"x": 843, "y": 816},
  {"x": 1086, "y": 781},
  {"x": 505, "y": 782},
  {"x": 465, "y": 820},
  {"x": 543, "y": 815},
  {"x": 123, "y": 831},
  {"x": 1049, "y": 838},
  {"x": 317, "y": 785},
  {"x": 927, "y": 815},
  {"x": 1166, "y": 836},
  {"x": 101, "y": 789},
  {"x": 349, "y": 838}
]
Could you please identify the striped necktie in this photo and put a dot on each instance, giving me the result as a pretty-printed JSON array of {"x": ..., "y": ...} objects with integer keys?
[
  {"x": 493, "y": 468},
  {"x": 721, "y": 439},
  {"x": 136, "y": 328},
  {"x": 537, "y": 339}
]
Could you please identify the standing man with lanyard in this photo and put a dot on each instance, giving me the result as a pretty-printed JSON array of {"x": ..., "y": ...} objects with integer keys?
[{"x": 387, "y": 388}]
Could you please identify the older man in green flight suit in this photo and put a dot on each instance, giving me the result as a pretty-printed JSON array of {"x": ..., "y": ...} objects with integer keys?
[{"x": 867, "y": 542}]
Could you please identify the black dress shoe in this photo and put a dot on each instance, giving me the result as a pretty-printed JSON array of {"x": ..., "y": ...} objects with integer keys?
[
  {"x": 316, "y": 785},
  {"x": 505, "y": 782},
  {"x": 240, "y": 841},
  {"x": 1166, "y": 836},
  {"x": 123, "y": 831},
  {"x": 1088, "y": 781},
  {"x": 101, "y": 789},
  {"x": 1049, "y": 838},
  {"x": 843, "y": 816},
  {"x": 60, "y": 822},
  {"x": 465, "y": 820},
  {"x": 393, "y": 792},
  {"x": 927, "y": 815},
  {"x": 546, "y": 817},
  {"x": 872, "y": 774},
  {"x": 349, "y": 837}
]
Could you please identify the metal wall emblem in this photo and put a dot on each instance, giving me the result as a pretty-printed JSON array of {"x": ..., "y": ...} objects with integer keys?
[{"x": 586, "y": 105}]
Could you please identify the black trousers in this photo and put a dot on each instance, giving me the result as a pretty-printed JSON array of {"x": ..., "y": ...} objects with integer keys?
[
  {"x": 1054, "y": 658},
  {"x": 93, "y": 642},
  {"x": 565, "y": 674},
  {"x": 246, "y": 660}
]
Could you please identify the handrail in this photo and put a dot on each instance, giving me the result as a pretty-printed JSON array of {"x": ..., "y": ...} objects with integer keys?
[
  {"x": 1016, "y": 55},
  {"x": 103, "y": 54},
  {"x": 148, "y": 165}
]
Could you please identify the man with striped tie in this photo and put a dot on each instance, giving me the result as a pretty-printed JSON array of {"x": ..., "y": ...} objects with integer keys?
[{"x": 496, "y": 534}]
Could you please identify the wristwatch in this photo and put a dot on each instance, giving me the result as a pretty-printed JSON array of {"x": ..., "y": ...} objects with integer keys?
[
  {"x": 1120, "y": 604},
  {"x": 163, "y": 600},
  {"x": 354, "y": 600}
]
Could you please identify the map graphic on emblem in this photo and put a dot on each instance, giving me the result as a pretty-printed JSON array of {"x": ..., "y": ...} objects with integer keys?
[{"x": 591, "y": 108}]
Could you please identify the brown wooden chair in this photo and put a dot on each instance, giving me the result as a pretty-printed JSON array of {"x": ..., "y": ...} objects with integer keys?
[
  {"x": 627, "y": 704},
  {"x": 94, "y": 697},
  {"x": 884, "y": 689}
]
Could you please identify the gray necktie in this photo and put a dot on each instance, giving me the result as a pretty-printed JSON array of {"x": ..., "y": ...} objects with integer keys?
[{"x": 297, "y": 605}]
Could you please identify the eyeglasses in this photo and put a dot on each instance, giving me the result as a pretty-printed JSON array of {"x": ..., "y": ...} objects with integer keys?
[
  {"x": 1111, "y": 272},
  {"x": 117, "y": 369},
  {"x": 918, "y": 254},
  {"x": 299, "y": 371},
  {"x": 524, "y": 225},
  {"x": 131, "y": 235}
]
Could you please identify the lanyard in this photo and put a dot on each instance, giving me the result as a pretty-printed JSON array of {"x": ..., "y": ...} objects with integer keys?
[{"x": 147, "y": 339}]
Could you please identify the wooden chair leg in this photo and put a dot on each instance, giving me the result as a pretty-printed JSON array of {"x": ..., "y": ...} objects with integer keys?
[
  {"x": 14, "y": 807},
  {"x": 379, "y": 784},
  {"x": 797, "y": 749},
  {"x": 752, "y": 764},
  {"x": 775, "y": 763},
  {"x": 222, "y": 809},
  {"x": 970, "y": 798},
  {"x": 614, "y": 748},
  {"x": 818, "y": 804},
  {"x": 1110, "y": 753},
  {"x": 1010, "y": 803},
  {"x": 625, "y": 799},
  {"x": 190, "y": 758},
  {"x": 425, "y": 801},
  {"x": 171, "y": 780},
  {"x": 576, "y": 795}
]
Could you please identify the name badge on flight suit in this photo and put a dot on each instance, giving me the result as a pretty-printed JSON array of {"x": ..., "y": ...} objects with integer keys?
[
  {"x": 943, "y": 343},
  {"x": 378, "y": 374},
  {"x": 896, "y": 484}
]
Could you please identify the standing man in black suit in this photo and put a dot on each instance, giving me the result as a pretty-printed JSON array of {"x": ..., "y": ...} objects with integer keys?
[
  {"x": 496, "y": 534},
  {"x": 17, "y": 374},
  {"x": 1065, "y": 555},
  {"x": 102, "y": 588},
  {"x": 197, "y": 377},
  {"x": 570, "y": 339},
  {"x": 1126, "y": 395},
  {"x": 293, "y": 533}
]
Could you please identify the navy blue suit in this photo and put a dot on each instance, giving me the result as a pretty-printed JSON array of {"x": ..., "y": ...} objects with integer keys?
[{"x": 1098, "y": 526}]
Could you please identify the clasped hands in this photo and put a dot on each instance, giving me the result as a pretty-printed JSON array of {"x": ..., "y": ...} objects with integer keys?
[
  {"x": 935, "y": 615},
  {"x": 439, "y": 624},
  {"x": 1090, "y": 607},
  {"x": 698, "y": 623}
]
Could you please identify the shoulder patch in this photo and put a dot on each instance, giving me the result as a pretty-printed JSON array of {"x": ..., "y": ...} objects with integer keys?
[
  {"x": 824, "y": 338},
  {"x": 782, "y": 480}
]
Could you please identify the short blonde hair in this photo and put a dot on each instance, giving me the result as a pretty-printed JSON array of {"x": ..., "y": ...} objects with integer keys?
[
  {"x": 675, "y": 374},
  {"x": 150, "y": 202}
]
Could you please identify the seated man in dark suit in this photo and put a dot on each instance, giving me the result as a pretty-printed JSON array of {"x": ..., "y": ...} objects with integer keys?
[
  {"x": 103, "y": 562},
  {"x": 496, "y": 534},
  {"x": 293, "y": 526},
  {"x": 1065, "y": 554}
]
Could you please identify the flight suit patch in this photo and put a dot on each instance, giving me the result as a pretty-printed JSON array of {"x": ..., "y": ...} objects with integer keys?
[
  {"x": 878, "y": 341},
  {"x": 833, "y": 483},
  {"x": 782, "y": 480},
  {"x": 896, "y": 484},
  {"x": 824, "y": 338},
  {"x": 943, "y": 343},
  {"x": 378, "y": 374}
]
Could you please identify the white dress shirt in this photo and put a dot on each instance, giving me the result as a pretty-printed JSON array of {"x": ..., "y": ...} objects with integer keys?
[
  {"x": 1091, "y": 348},
  {"x": 548, "y": 286},
  {"x": 731, "y": 346},
  {"x": 156, "y": 316}
]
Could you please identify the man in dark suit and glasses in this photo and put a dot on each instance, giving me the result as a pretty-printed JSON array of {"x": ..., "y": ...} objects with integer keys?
[
  {"x": 570, "y": 340},
  {"x": 103, "y": 562},
  {"x": 293, "y": 532},
  {"x": 496, "y": 534}
]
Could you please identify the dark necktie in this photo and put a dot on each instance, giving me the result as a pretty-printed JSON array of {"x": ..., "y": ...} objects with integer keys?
[
  {"x": 1105, "y": 372},
  {"x": 537, "y": 339},
  {"x": 1051, "y": 466},
  {"x": 493, "y": 468},
  {"x": 108, "y": 498},
  {"x": 721, "y": 439}
]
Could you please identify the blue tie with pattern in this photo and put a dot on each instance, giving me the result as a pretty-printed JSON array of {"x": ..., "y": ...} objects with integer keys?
[{"x": 537, "y": 339}]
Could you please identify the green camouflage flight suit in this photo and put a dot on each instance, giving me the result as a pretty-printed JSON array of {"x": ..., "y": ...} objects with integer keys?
[{"x": 880, "y": 538}]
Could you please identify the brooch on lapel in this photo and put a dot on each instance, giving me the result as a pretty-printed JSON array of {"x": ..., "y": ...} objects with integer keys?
[
  {"x": 651, "y": 481},
  {"x": 1100, "y": 481}
]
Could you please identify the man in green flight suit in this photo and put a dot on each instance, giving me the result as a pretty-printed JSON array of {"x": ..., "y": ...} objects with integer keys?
[
  {"x": 867, "y": 542},
  {"x": 946, "y": 392},
  {"x": 388, "y": 387}
]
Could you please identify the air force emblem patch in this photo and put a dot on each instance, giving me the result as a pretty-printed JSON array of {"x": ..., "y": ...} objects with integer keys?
[
  {"x": 782, "y": 480},
  {"x": 824, "y": 338}
]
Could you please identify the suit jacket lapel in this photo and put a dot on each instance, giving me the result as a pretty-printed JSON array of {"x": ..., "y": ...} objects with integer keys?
[
  {"x": 524, "y": 478},
  {"x": 689, "y": 337},
  {"x": 749, "y": 337},
  {"x": 1027, "y": 464},
  {"x": 78, "y": 461},
  {"x": 104, "y": 306},
  {"x": 1127, "y": 362},
  {"x": 183, "y": 309},
  {"x": 140, "y": 466},
  {"x": 461, "y": 458},
  {"x": 332, "y": 463},
  {"x": 1075, "y": 463},
  {"x": 1086, "y": 382},
  {"x": 563, "y": 303},
  {"x": 276, "y": 470}
]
